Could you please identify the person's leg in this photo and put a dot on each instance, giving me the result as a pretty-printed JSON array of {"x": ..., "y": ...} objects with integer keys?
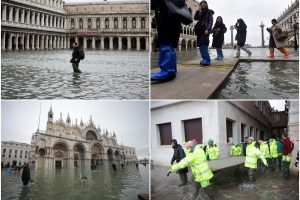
[
  {"x": 221, "y": 54},
  {"x": 271, "y": 53},
  {"x": 166, "y": 62},
  {"x": 206, "y": 60},
  {"x": 218, "y": 54},
  {"x": 285, "y": 170},
  {"x": 279, "y": 162},
  {"x": 201, "y": 54},
  {"x": 251, "y": 174},
  {"x": 238, "y": 51},
  {"x": 284, "y": 52},
  {"x": 273, "y": 164},
  {"x": 185, "y": 178},
  {"x": 182, "y": 179},
  {"x": 196, "y": 187},
  {"x": 246, "y": 50},
  {"x": 78, "y": 70}
]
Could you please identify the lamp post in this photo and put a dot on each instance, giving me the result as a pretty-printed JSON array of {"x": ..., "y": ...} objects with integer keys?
[
  {"x": 262, "y": 34},
  {"x": 231, "y": 29}
]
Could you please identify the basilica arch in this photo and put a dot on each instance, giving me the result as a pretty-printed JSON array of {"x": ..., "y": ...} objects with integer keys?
[
  {"x": 79, "y": 155},
  {"x": 97, "y": 154},
  {"x": 61, "y": 154}
]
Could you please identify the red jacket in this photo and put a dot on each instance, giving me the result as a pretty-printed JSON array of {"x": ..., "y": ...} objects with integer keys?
[{"x": 287, "y": 146}]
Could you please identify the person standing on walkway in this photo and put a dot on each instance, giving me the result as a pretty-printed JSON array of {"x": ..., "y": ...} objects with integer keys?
[
  {"x": 211, "y": 150},
  {"x": 252, "y": 154},
  {"x": 275, "y": 41},
  {"x": 241, "y": 35},
  {"x": 196, "y": 159},
  {"x": 218, "y": 31},
  {"x": 76, "y": 58},
  {"x": 168, "y": 30},
  {"x": 286, "y": 155},
  {"x": 273, "y": 152},
  {"x": 235, "y": 149},
  {"x": 203, "y": 28},
  {"x": 178, "y": 156},
  {"x": 265, "y": 150}
]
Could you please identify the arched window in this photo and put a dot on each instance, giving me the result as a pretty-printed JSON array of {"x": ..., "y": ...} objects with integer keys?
[
  {"x": 72, "y": 23},
  {"x": 98, "y": 23},
  {"x": 80, "y": 23},
  {"x": 115, "y": 23},
  {"x": 143, "y": 23},
  {"x": 106, "y": 23},
  {"x": 125, "y": 23},
  {"x": 133, "y": 22},
  {"x": 89, "y": 23}
]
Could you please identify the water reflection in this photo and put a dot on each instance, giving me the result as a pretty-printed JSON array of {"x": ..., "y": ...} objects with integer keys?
[
  {"x": 49, "y": 75},
  {"x": 65, "y": 184}
]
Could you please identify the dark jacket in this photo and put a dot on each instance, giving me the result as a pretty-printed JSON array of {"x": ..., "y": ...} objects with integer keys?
[
  {"x": 241, "y": 34},
  {"x": 206, "y": 19},
  {"x": 75, "y": 55},
  {"x": 168, "y": 28},
  {"x": 26, "y": 175},
  {"x": 218, "y": 35},
  {"x": 178, "y": 156}
]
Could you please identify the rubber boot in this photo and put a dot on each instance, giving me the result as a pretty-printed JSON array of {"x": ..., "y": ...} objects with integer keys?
[
  {"x": 205, "y": 55},
  {"x": 238, "y": 52},
  {"x": 220, "y": 54},
  {"x": 247, "y": 51},
  {"x": 167, "y": 64},
  {"x": 271, "y": 53},
  {"x": 284, "y": 51},
  {"x": 76, "y": 68}
]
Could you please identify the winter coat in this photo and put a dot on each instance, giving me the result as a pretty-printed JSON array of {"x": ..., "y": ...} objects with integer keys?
[
  {"x": 168, "y": 28},
  {"x": 241, "y": 34},
  {"x": 178, "y": 156},
  {"x": 207, "y": 20},
  {"x": 75, "y": 55},
  {"x": 26, "y": 175},
  {"x": 272, "y": 44},
  {"x": 218, "y": 35},
  {"x": 275, "y": 31},
  {"x": 287, "y": 146}
]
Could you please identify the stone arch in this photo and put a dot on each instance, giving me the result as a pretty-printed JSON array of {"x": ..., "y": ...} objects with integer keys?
[
  {"x": 124, "y": 43},
  {"x": 79, "y": 153},
  {"x": 110, "y": 154},
  {"x": 13, "y": 42},
  {"x": 97, "y": 154},
  {"x": 194, "y": 44},
  {"x": 115, "y": 43},
  {"x": 106, "y": 43},
  {"x": 117, "y": 155},
  {"x": 97, "y": 44},
  {"x": 72, "y": 40},
  {"x": 20, "y": 41},
  {"x": 143, "y": 43},
  {"x": 183, "y": 44},
  {"x": 41, "y": 158},
  {"x": 91, "y": 135},
  {"x": 189, "y": 45},
  {"x": 133, "y": 43},
  {"x": 89, "y": 43},
  {"x": 61, "y": 154},
  {"x": 80, "y": 41}
]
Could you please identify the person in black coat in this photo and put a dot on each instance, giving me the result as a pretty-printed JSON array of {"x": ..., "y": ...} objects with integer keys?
[
  {"x": 204, "y": 16},
  {"x": 178, "y": 156},
  {"x": 241, "y": 35},
  {"x": 218, "y": 37},
  {"x": 168, "y": 30},
  {"x": 75, "y": 58},
  {"x": 26, "y": 175}
]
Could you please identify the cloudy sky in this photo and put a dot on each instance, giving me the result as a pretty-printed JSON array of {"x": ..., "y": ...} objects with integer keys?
[
  {"x": 278, "y": 104},
  {"x": 252, "y": 11},
  {"x": 129, "y": 119}
]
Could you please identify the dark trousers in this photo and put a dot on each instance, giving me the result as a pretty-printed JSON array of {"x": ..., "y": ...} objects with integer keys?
[
  {"x": 75, "y": 66},
  {"x": 251, "y": 174},
  {"x": 183, "y": 178},
  {"x": 273, "y": 164},
  {"x": 200, "y": 193},
  {"x": 279, "y": 162},
  {"x": 286, "y": 170},
  {"x": 25, "y": 183}
]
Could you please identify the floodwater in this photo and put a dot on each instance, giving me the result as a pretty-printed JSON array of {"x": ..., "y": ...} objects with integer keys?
[
  {"x": 103, "y": 183},
  {"x": 253, "y": 80},
  {"x": 230, "y": 183},
  {"x": 49, "y": 75}
]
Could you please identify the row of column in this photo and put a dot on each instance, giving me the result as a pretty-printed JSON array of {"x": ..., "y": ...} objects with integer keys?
[
  {"x": 32, "y": 41},
  {"x": 42, "y": 18},
  {"x": 187, "y": 30}
]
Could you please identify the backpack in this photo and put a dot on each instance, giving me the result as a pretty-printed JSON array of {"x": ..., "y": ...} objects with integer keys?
[{"x": 81, "y": 54}]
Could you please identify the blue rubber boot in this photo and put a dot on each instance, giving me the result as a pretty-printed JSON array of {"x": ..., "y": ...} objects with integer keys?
[
  {"x": 201, "y": 54},
  {"x": 167, "y": 64},
  {"x": 220, "y": 54},
  {"x": 205, "y": 55}
]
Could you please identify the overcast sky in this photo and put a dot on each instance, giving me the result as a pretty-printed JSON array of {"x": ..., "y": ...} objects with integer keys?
[
  {"x": 278, "y": 104},
  {"x": 129, "y": 119},
  {"x": 252, "y": 11}
]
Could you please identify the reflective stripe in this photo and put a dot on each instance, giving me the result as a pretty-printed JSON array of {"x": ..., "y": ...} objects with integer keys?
[
  {"x": 252, "y": 156},
  {"x": 251, "y": 163},
  {"x": 204, "y": 172},
  {"x": 197, "y": 164}
]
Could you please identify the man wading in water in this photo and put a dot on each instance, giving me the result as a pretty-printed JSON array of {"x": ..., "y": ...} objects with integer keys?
[{"x": 77, "y": 55}]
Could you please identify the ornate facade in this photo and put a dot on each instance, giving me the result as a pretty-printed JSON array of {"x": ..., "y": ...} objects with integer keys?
[
  {"x": 289, "y": 21},
  {"x": 67, "y": 145},
  {"x": 53, "y": 24}
]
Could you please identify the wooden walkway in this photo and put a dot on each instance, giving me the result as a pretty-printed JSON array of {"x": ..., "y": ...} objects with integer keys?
[{"x": 194, "y": 81}]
